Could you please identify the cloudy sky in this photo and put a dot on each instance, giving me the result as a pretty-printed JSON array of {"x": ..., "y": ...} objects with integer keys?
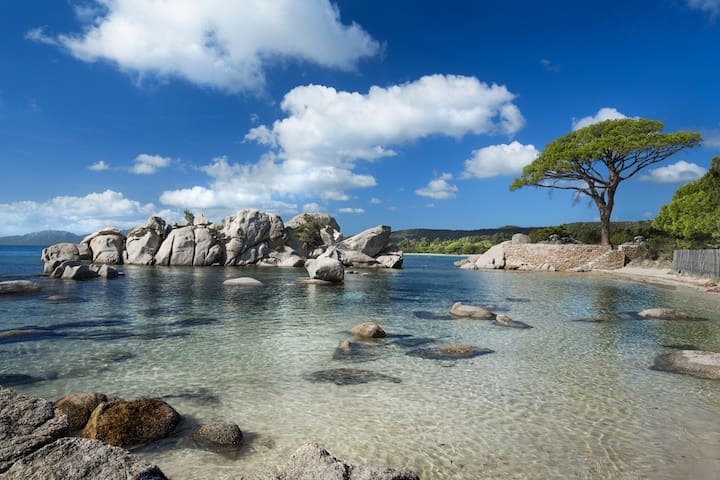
[{"x": 407, "y": 113}]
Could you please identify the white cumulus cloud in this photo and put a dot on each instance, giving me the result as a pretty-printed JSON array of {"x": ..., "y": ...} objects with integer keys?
[
  {"x": 678, "y": 172},
  {"x": 439, "y": 188},
  {"x": 356, "y": 211},
  {"x": 712, "y": 7},
  {"x": 503, "y": 159},
  {"x": 149, "y": 164},
  {"x": 38, "y": 35},
  {"x": 79, "y": 214},
  {"x": 314, "y": 152},
  {"x": 605, "y": 113},
  {"x": 225, "y": 44},
  {"x": 99, "y": 166}
]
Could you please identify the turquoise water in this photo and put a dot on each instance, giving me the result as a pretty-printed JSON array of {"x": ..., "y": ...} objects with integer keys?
[{"x": 571, "y": 398}]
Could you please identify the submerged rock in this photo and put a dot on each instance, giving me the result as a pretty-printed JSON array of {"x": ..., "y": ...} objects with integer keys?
[
  {"x": 349, "y": 376},
  {"x": 16, "y": 287},
  {"x": 312, "y": 462},
  {"x": 80, "y": 458},
  {"x": 243, "y": 282},
  {"x": 26, "y": 425},
  {"x": 368, "y": 330},
  {"x": 449, "y": 352},
  {"x": 505, "y": 321},
  {"x": 666, "y": 314},
  {"x": 220, "y": 434},
  {"x": 459, "y": 309},
  {"x": 128, "y": 424},
  {"x": 78, "y": 407},
  {"x": 690, "y": 362},
  {"x": 427, "y": 315}
]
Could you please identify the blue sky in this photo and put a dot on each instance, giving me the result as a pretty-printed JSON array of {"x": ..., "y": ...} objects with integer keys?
[{"x": 407, "y": 113}]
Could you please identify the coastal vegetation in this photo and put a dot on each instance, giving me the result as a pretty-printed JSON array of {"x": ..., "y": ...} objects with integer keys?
[{"x": 594, "y": 160}]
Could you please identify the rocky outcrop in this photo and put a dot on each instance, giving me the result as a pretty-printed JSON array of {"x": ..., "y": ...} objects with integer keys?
[
  {"x": 251, "y": 235},
  {"x": 18, "y": 287},
  {"x": 307, "y": 232},
  {"x": 325, "y": 268},
  {"x": 220, "y": 434},
  {"x": 390, "y": 257},
  {"x": 370, "y": 242},
  {"x": 78, "y": 407},
  {"x": 191, "y": 246},
  {"x": 54, "y": 255},
  {"x": 690, "y": 362},
  {"x": 74, "y": 271},
  {"x": 368, "y": 330},
  {"x": 107, "y": 246},
  {"x": 142, "y": 243},
  {"x": 80, "y": 458},
  {"x": 26, "y": 425},
  {"x": 312, "y": 462},
  {"x": 128, "y": 424},
  {"x": 459, "y": 309}
]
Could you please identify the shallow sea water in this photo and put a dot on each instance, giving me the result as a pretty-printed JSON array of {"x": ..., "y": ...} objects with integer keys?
[{"x": 572, "y": 397}]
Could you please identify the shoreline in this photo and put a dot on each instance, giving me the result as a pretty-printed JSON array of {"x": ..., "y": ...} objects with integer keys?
[{"x": 661, "y": 276}]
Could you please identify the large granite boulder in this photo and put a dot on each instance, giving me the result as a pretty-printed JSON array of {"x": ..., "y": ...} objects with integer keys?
[
  {"x": 390, "y": 257},
  {"x": 520, "y": 239},
  {"x": 74, "y": 271},
  {"x": 308, "y": 231},
  {"x": 54, "y": 255},
  {"x": 493, "y": 258},
  {"x": 128, "y": 424},
  {"x": 141, "y": 246},
  {"x": 690, "y": 362},
  {"x": 26, "y": 425},
  {"x": 283, "y": 256},
  {"x": 80, "y": 458},
  {"x": 325, "y": 268},
  {"x": 107, "y": 246},
  {"x": 251, "y": 235},
  {"x": 460, "y": 309},
  {"x": 78, "y": 407},
  {"x": 312, "y": 462},
  {"x": 370, "y": 242},
  {"x": 191, "y": 246},
  {"x": 353, "y": 258},
  {"x": 16, "y": 287}
]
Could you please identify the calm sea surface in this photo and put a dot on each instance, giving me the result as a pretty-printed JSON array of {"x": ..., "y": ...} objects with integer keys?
[{"x": 571, "y": 398}]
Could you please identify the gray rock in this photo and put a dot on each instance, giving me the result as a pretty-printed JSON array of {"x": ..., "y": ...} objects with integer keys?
[
  {"x": 209, "y": 249},
  {"x": 105, "y": 271},
  {"x": 666, "y": 314},
  {"x": 353, "y": 258},
  {"x": 520, "y": 238},
  {"x": 26, "y": 425},
  {"x": 201, "y": 220},
  {"x": 54, "y": 255},
  {"x": 243, "y": 282},
  {"x": 370, "y": 242},
  {"x": 459, "y": 309},
  {"x": 74, "y": 271},
  {"x": 191, "y": 245},
  {"x": 390, "y": 257},
  {"x": 690, "y": 362},
  {"x": 128, "y": 424},
  {"x": 312, "y": 462},
  {"x": 247, "y": 230},
  {"x": 141, "y": 246},
  {"x": 80, "y": 458},
  {"x": 283, "y": 257},
  {"x": 223, "y": 434},
  {"x": 78, "y": 407},
  {"x": 368, "y": 330},
  {"x": 85, "y": 252},
  {"x": 325, "y": 268},
  {"x": 107, "y": 246},
  {"x": 15, "y": 287},
  {"x": 505, "y": 321}
]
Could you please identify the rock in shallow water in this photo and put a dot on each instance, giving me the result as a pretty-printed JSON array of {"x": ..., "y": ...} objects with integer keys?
[
  {"x": 690, "y": 362},
  {"x": 78, "y": 407},
  {"x": 26, "y": 425},
  {"x": 243, "y": 282},
  {"x": 666, "y": 314},
  {"x": 18, "y": 287},
  {"x": 219, "y": 434},
  {"x": 368, "y": 330},
  {"x": 449, "y": 352},
  {"x": 459, "y": 309},
  {"x": 505, "y": 321},
  {"x": 312, "y": 462},
  {"x": 349, "y": 376},
  {"x": 80, "y": 458}
]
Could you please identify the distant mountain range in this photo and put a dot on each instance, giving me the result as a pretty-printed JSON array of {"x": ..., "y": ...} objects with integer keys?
[
  {"x": 44, "y": 238},
  {"x": 419, "y": 233}
]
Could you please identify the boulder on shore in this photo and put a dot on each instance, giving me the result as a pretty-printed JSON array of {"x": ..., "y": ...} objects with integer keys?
[
  {"x": 128, "y": 424},
  {"x": 690, "y": 362},
  {"x": 80, "y": 458},
  {"x": 26, "y": 425},
  {"x": 312, "y": 462},
  {"x": 459, "y": 309}
]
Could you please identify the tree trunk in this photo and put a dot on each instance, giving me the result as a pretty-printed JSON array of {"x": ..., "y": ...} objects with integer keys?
[{"x": 604, "y": 224}]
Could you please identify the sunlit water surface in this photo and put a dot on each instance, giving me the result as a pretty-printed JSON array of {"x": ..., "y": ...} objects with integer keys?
[{"x": 571, "y": 398}]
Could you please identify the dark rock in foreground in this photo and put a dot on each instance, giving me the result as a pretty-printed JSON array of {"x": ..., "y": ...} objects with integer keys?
[
  {"x": 128, "y": 424},
  {"x": 349, "y": 376},
  {"x": 26, "y": 425},
  {"x": 690, "y": 362},
  {"x": 449, "y": 352},
  {"x": 312, "y": 462},
  {"x": 18, "y": 287},
  {"x": 78, "y": 407},
  {"x": 80, "y": 458}
]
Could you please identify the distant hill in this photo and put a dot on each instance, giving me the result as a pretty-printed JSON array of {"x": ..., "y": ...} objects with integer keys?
[
  {"x": 44, "y": 238},
  {"x": 431, "y": 234}
]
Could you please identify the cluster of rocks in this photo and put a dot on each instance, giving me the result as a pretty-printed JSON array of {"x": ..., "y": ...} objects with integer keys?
[
  {"x": 35, "y": 442},
  {"x": 250, "y": 237}
]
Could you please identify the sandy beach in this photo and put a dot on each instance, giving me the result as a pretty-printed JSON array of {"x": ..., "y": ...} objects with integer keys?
[{"x": 662, "y": 275}]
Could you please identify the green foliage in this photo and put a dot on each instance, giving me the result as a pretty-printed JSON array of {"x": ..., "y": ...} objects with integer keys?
[
  {"x": 542, "y": 234},
  {"x": 594, "y": 160},
  {"x": 693, "y": 214},
  {"x": 189, "y": 216},
  {"x": 458, "y": 246},
  {"x": 307, "y": 231}
]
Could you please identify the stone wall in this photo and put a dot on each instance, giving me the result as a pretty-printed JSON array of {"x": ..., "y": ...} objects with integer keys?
[{"x": 561, "y": 257}]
